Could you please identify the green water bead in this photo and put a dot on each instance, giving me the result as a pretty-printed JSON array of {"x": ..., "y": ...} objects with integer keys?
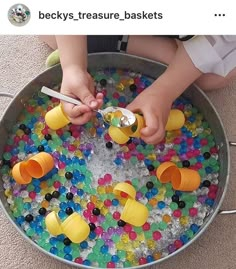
[
  {"x": 156, "y": 163},
  {"x": 179, "y": 164},
  {"x": 10, "y": 141},
  {"x": 133, "y": 160},
  {"x": 176, "y": 148},
  {"x": 193, "y": 161},
  {"x": 216, "y": 168},
  {"x": 107, "y": 257},
  {"x": 30, "y": 232},
  {"x": 135, "y": 182},
  {"x": 148, "y": 234},
  {"x": 162, "y": 225},
  {"x": 45, "y": 235},
  {"x": 115, "y": 238},
  {"x": 60, "y": 245},
  {"x": 189, "y": 234},
  {"x": 185, "y": 211},
  {"x": 213, "y": 161},
  {"x": 149, "y": 207},
  {"x": 5, "y": 169},
  {"x": 30, "y": 187},
  {"x": 7, "y": 156},
  {"x": 202, "y": 172},
  {"x": 114, "y": 102},
  {"x": 115, "y": 122},
  {"x": 121, "y": 254},
  {"x": 139, "y": 148},
  {"x": 169, "y": 193},
  {"x": 173, "y": 206},
  {"x": 116, "y": 77},
  {"x": 89, "y": 125},
  {"x": 61, "y": 254}
]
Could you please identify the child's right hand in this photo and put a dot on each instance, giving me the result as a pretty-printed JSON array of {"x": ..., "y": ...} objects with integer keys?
[{"x": 79, "y": 84}]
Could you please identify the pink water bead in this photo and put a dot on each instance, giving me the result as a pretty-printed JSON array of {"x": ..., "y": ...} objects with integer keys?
[
  {"x": 142, "y": 260},
  {"x": 127, "y": 155},
  {"x": 127, "y": 228},
  {"x": 90, "y": 205},
  {"x": 61, "y": 165},
  {"x": 72, "y": 148},
  {"x": 178, "y": 243},
  {"x": 93, "y": 218},
  {"x": 107, "y": 202},
  {"x": 203, "y": 142},
  {"x": 146, "y": 226},
  {"x": 107, "y": 137},
  {"x": 131, "y": 146},
  {"x": 79, "y": 260},
  {"x": 32, "y": 195},
  {"x": 212, "y": 195},
  {"x": 59, "y": 132},
  {"x": 156, "y": 235},
  {"x": 213, "y": 150},
  {"x": 177, "y": 141},
  {"x": 101, "y": 181},
  {"x": 116, "y": 215},
  {"x": 198, "y": 166},
  {"x": 87, "y": 213},
  {"x": 44, "y": 131},
  {"x": 54, "y": 100},
  {"x": 213, "y": 188},
  {"x": 190, "y": 154},
  {"x": 99, "y": 230},
  {"x": 193, "y": 212},
  {"x": 76, "y": 134},
  {"x": 115, "y": 95},
  {"x": 190, "y": 141},
  {"x": 108, "y": 178},
  {"x": 171, "y": 152},
  {"x": 132, "y": 235},
  {"x": 177, "y": 213},
  {"x": 140, "y": 156},
  {"x": 111, "y": 265},
  {"x": 16, "y": 140},
  {"x": 57, "y": 184},
  {"x": 120, "y": 104}
]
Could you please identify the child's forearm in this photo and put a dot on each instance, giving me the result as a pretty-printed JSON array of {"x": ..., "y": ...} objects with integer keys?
[
  {"x": 73, "y": 51},
  {"x": 180, "y": 73}
]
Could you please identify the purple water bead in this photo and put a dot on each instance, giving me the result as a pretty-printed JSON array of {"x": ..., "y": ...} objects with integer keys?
[
  {"x": 171, "y": 248},
  {"x": 111, "y": 231},
  {"x": 73, "y": 190},
  {"x": 139, "y": 195},
  {"x": 202, "y": 199},
  {"x": 119, "y": 231},
  {"x": 105, "y": 236},
  {"x": 109, "y": 243}
]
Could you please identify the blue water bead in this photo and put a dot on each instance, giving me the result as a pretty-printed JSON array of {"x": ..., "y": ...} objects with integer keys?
[
  {"x": 161, "y": 204},
  {"x": 154, "y": 191},
  {"x": 99, "y": 131},
  {"x": 15, "y": 151},
  {"x": 105, "y": 100},
  {"x": 86, "y": 262},
  {"x": 148, "y": 195},
  {"x": 118, "y": 161},
  {"x": 189, "y": 134},
  {"x": 39, "y": 230},
  {"x": 44, "y": 142},
  {"x": 92, "y": 235},
  {"x": 63, "y": 206},
  {"x": 209, "y": 202},
  {"x": 75, "y": 159},
  {"x": 39, "y": 218},
  {"x": 53, "y": 241},
  {"x": 47, "y": 149},
  {"x": 61, "y": 237},
  {"x": 84, "y": 244},
  {"x": 33, "y": 224},
  {"x": 30, "y": 125},
  {"x": 27, "y": 206},
  {"x": 81, "y": 177},
  {"x": 115, "y": 202},
  {"x": 122, "y": 99},
  {"x": 77, "y": 207},
  {"x": 62, "y": 158},
  {"x": 36, "y": 182},
  {"x": 33, "y": 149},
  {"x": 68, "y": 161},
  {"x": 104, "y": 249},
  {"x": 200, "y": 158},
  {"x": 74, "y": 181},
  {"x": 208, "y": 170},
  {"x": 68, "y": 257},
  {"x": 192, "y": 119},
  {"x": 71, "y": 204},
  {"x": 37, "y": 189},
  {"x": 197, "y": 145},
  {"x": 150, "y": 258},
  {"x": 34, "y": 119},
  {"x": 184, "y": 130},
  {"x": 115, "y": 258},
  {"x": 82, "y": 162},
  {"x": 184, "y": 238},
  {"x": 20, "y": 220},
  {"x": 62, "y": 189},
  {"x": 67, "y": 249},
  {"x": 99, "y": 116},
  {"x": 87, "y": 152},
  {"x": 53, "y": 250},
  {"x": 194, "y": 227},
  {"x": 80, "y": 192},
  {"x": 147, "y": 162},
  {"x": 62, "y": 214},
  {"x": 179, "y": 193},
  {"x": 40, "y": 101}
]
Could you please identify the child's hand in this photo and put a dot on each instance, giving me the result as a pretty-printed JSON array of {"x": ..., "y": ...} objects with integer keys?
[
  {"x": 79, "y": 84},
  {"x": 155, "y": 106}
]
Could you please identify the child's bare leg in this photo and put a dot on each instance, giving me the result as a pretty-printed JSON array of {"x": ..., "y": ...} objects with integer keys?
[
  {"x": 160, "y": 49},
  {"x": 50, "y": 40}
]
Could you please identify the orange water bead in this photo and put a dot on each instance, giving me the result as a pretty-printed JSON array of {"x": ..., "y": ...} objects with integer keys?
[
  {"x": 153, "y": 202},
  {"x": 117, "y": 114},
  {"x": 120, "y": 87},
  {"x": 93, "y": 199},
  {"x": 109, "y": 189},
  {"x": 125, "y": 82},
  {"x": 92, "y": 131},
  {"x": 45, "y": 204},
  {"x": 43, "y": 185},
  {"x": 157, "y": 255},
  {"x": 166, "y": 218}
]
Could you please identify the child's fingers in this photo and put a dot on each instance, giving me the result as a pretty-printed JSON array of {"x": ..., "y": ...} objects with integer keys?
[
  {"x": 151, "y": 123},
  {"x": 74, "y": 111},
  {"x": 156, "y": 138},
  {"x": 82, "y": 119}
]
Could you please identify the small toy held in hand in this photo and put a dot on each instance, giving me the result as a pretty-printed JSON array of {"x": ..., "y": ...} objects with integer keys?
[{"x": 35, "y": 167}]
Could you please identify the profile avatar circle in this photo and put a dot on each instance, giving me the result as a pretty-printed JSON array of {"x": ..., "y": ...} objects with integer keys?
[{"x": 19, "y": 15}]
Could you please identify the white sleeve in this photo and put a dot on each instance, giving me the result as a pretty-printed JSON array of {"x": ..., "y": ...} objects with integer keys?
[{"x": 212, "y": 54}]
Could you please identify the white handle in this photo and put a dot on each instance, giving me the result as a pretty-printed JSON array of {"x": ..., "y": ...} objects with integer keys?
[{"x": 60, "y": 96}]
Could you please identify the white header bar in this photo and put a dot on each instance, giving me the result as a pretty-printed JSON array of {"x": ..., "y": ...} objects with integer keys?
[{"x": 121, "y": 17}]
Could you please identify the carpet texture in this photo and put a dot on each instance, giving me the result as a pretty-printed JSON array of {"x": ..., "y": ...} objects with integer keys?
[{"x": 21, "y": 59}]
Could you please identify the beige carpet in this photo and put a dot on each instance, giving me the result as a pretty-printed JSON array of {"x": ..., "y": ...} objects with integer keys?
[{"x": 21, "y": 59}]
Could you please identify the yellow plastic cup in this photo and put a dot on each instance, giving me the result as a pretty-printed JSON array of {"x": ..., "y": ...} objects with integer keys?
[
  {"x": 53, "y": 224},
  {"x": 185, "y": 179},
  {"x": 165, "y": 171},
  {"x": 134, "y": 213},
  {"x": 20, "y": 174},
  {"x": 126, "y": 188},
  {"x": 56, "y": 118},
  {"x": 75, "y": 228},
  {"x": 40, "y": 164},
  {"x": 117, "y": 135},
  {"x": 176, "y": 120}
]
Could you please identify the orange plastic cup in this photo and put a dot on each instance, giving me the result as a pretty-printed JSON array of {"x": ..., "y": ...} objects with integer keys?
[
  {"x": 20, "y": 174},
  {"x": 39, "y": 165},
  {"x": 165, "y": 172},
  {"x": 126, "y": 188},
  {"x": 134, "y": 213},
  {"x": 56, "y": 118},
  {"x": 117, "y": 135},
  {"x": 185, "y": 179},
  {"x": 75, "y": 228}
]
